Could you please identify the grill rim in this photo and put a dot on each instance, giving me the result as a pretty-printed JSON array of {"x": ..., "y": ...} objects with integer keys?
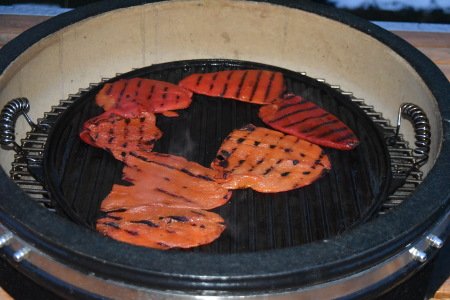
[{"x": 428, "y": 203}]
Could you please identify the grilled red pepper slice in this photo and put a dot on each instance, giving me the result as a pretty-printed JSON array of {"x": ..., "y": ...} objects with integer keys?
[
  {"x": 268, "y": 161},
  {"x": 304, "y": 119},
  {"x": 161, "y": 227},
  {"x": 253, "y": 86},
  {"x": 118, "y": 134},
  {"x": 128, "y": 97}
]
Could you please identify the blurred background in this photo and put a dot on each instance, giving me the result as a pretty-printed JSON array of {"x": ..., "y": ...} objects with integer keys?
[{"x": 418, "y": 11}]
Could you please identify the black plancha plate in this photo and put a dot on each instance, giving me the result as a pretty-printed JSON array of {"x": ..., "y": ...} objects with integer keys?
[{"x": 79, "y": 176}]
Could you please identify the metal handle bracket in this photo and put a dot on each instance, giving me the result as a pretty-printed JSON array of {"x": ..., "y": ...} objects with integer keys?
[
  {"x": 422, "y": 131},
  {"x": 8, "y": 117}
]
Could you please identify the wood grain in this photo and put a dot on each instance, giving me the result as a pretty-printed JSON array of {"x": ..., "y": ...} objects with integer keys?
[
  {"x": 4, "y": 295},
  {"x": 444, "y": 291},
  {"x": 12, "y": 25},
  {"x": 435, "y": 45},
  {"x": 426, "y": 39}
]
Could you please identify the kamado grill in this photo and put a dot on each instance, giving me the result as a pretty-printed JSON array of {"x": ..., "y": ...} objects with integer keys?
[{"x": 368, "y": 225}]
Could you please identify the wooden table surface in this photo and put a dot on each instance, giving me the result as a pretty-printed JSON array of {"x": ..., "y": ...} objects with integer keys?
[{"x": 436, "y": 45}]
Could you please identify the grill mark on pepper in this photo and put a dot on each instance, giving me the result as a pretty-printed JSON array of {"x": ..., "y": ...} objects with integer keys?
[
  {"x": 268, "y": 171},
  {"x": 164, "y": 95},
  {"x": 145, "y": 222},
  {"x": 331, "y": 132},
  {"x": 173, "y": 195},
  {"x": 255, "y": 87},
  {"x": 112, "y": 217},
  {"x": 183, "y": 170},
  {"x": 305, "y": 119},
  {"x": 126, "y": 129},
  {"x": 118, "y": 210},
  {"x": 293, "y": 113},
  {"x": 213, "y": 81},
  {"x": 186, "y": 171},
  {"x": 150, "y": 95},
  {"x": 224, "y": 163},
  {"x": 318, "y": 161},
  {"x": 287, "y": 105},
  {"x": 112, "y": 224},
  {"x": 132, "y": 232},
  {"x": 199, "y": 79},
  {"x": 311, "y": 129},
  {"x": 141, "y": 128},
  {"x": 220, "y": 157},
  {"x": 225, "y": 153},
  {"x": 109, "y": 90},
  {"x": 269, "y": 86},
  {"x": 233, "y": 150},
  {"x": 182, "y": 219},
  {"x": 241, "y": 83},
  {"x": 122, "y": 92},
  {"x": 138, "y": 88},
  {"x": 225, "y": 86},
  {"x": 161, "y": 154}
]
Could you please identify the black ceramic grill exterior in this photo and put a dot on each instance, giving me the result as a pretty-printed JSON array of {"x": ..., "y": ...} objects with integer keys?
[{"x": 79, "y": 176}]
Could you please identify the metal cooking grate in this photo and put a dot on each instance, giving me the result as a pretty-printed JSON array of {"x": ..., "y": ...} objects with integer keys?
[{"x": 401, "y": 155}]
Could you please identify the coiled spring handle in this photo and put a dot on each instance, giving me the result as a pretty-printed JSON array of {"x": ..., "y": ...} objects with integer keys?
[
  {"x": 8, "y": 117},
  {"x": 422, "y": 131}
]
